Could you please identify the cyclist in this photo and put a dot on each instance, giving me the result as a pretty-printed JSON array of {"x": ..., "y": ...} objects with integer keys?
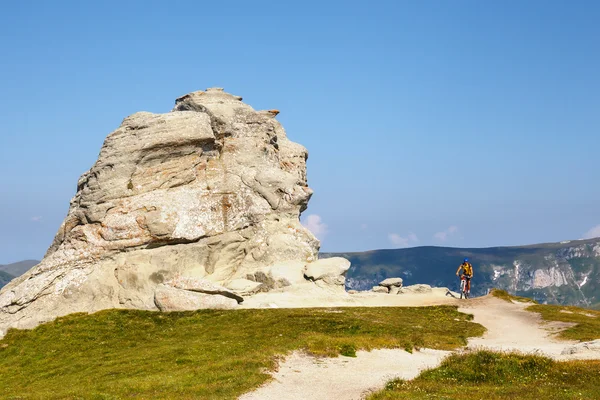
[{"x": 467, "y": 274}]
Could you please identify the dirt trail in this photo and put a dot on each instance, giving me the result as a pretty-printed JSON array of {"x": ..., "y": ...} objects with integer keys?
[
  {"x": 303, "y": 377},
  {"x": 509, "y": 328}
]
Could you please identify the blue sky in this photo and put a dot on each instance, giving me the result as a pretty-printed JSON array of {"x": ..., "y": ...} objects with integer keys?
[{"x": 460, "y": 123}]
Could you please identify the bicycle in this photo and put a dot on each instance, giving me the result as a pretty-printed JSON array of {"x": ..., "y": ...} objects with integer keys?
[{"x": 465, "y": 287}]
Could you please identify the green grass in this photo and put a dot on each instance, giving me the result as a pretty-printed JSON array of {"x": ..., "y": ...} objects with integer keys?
[
  {"x": 504, "y": 295},
  {"x": 587, "y": 322},
  {"x": 208, "y": 354},
  {"x": 491, "y": 376}
]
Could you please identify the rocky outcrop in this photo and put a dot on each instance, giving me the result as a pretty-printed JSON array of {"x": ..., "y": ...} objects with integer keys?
[
  {"x": 389, "y": 285},
  {"x": 209, "y": 193}
]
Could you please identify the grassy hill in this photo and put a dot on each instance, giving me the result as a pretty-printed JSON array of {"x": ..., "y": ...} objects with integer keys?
[{"x": 558, "y": 273}]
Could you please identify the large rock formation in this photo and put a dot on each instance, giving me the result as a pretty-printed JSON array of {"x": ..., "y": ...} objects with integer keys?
[{"x": 210, "y": 192}]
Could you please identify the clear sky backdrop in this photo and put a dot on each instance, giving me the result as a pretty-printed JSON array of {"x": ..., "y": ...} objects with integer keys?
[{"x": 459, "y": 123}]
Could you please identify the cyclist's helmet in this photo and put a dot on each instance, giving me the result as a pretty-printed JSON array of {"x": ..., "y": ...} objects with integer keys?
[{"x": 466, "y": 260}]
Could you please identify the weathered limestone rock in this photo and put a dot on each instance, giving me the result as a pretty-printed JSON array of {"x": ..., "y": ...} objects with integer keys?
[
  {"x": 212, "y": 190},
  {"x": 202, "y": 286},
  {"x": 330, "y": 270},
  {"x": 171, "y": 299},
  {"x": 389, "y": 282}
]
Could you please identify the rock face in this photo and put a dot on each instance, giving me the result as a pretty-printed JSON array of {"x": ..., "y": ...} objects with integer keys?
[{"x": 209, "y": 193}]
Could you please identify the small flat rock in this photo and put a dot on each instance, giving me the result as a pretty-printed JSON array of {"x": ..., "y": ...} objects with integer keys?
[
  {"x": 389, "y": 282},
  {"x": 202, "y": 286},
  {"x": 168, "y": 298}
]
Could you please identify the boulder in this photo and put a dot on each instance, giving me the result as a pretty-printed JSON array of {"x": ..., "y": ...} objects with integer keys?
[
  {"x": 332, "y": 271},
  {"x": 389, "y": 282},
  {"x": 395, "y": 290},
  {"x": 211, "y": 190},
  {"x": 168, "y": 298},
  {"x": 380, "y": 289},
  {"x": 202, "y": 286}
]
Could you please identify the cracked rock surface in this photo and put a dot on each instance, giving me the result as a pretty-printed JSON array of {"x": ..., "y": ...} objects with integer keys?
[{"x": 211, "y": 191}]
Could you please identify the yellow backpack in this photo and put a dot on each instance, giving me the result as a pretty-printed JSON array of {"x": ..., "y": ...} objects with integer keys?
[{"x": 467, "y": 268}]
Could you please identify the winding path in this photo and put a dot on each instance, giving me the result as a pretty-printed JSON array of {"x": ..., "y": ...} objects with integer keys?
[{"x": 509, "y": 328}]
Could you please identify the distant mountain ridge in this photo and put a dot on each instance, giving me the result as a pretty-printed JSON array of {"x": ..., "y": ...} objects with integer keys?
[
  {"x": 558, "y": 273},
  {"x": 5, "y": 278},
  {"x": 19, "y": 268},
  {"x": 10, "y": 271}
]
